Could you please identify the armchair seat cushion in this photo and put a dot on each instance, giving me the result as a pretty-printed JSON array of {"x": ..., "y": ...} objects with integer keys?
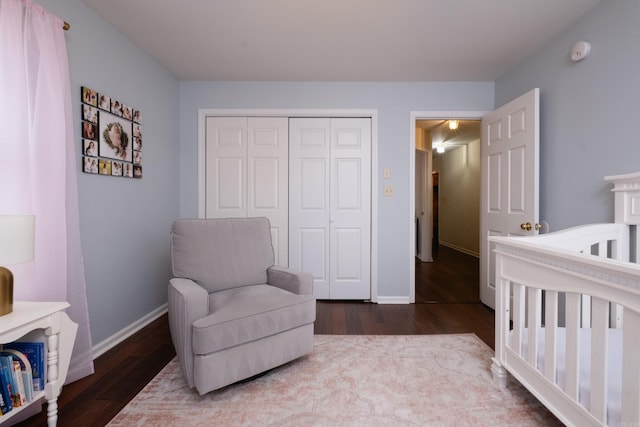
[{"x": 248, "y": 313}]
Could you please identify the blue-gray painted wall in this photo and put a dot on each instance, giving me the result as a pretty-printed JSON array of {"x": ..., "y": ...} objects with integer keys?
[
  {"x": 125, "y": 223},
  {"x": 588, "y": 112},
  {"x": 393, "y": 102}
]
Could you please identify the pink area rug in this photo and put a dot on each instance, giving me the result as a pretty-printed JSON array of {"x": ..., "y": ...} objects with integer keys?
[{"x": 407, "y": 380}]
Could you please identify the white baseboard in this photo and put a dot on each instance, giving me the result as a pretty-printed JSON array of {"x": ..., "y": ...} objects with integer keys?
[
  {"x": 460, "y": 249},
  {"x": 106, "y": 345},
  {"x": 393, "y": 300}
]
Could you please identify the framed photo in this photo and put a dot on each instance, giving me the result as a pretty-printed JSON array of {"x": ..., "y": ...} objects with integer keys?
[
  {"x": 116, "y": 168},
  {"x": 127, "y": 170},
  {"x": 111, "y": 136},
  {"x": 89, "y": 165},
  {"x": 89, "y": 130},
  {"x": 116, "y": 107},
  {"x": 137, "y": 130},
  {"x": 89, "y": 113},
  {"x": 127, "y": 113},
  {"x": 104, "y": 167},
  {"x": 104, "y": 102},
  {"x": 115, "y": 137},
  {"x": 89, "y": 147},
  {"x": 89, "y": 96}
]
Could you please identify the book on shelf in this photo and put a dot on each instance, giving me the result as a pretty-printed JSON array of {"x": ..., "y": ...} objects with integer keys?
[
  {"x": 34, "y": 351},
  {"x": 17, "y": 372},
  {"x": 5, "y": 391},
  {"x": 7, "y": 366}
]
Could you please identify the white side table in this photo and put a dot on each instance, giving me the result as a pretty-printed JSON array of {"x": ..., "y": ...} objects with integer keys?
[{"x": 48, "y": 323}]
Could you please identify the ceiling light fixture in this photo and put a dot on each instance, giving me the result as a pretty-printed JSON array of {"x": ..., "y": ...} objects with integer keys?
[
  {"x": 453, "y": 124},
  {"x": 440, "y": 147}
]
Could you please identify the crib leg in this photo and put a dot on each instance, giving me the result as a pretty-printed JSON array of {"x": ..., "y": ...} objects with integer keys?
[{"x": 499, "y": 373}]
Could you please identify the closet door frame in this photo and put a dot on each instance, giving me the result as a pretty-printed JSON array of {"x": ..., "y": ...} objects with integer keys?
[{"x": 203, "y": 113}]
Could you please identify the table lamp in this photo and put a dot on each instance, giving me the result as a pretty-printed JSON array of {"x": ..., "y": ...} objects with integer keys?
[{"x": 16, "y": 246}]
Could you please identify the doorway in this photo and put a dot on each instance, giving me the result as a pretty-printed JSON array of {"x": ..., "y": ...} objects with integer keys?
[{"x": 446, "y": 151}]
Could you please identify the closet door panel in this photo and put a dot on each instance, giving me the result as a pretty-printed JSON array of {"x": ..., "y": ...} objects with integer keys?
[
  {"x": 268, "y": 159},
  {"x": 314, "y": 248},
  {"x": 229, "y": 185},
  {"x": 350, "y": 208},
  {"x": 309, "y": 200},
  {"x": 226, "y": 184}
]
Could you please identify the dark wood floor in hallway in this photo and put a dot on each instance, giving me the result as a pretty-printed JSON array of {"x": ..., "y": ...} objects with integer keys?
[
  {"x": 453, "y": 276},
  {"x": 446, "y": 303}
]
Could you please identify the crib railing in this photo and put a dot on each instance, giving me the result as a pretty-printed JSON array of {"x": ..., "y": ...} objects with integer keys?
[{"x": 578, "y": 280}]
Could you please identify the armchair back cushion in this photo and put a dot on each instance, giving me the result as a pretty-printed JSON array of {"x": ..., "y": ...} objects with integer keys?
[{"x": 239, "y": 255}]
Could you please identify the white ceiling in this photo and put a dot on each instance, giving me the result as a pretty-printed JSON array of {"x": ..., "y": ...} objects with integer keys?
[{"x": 340, "y": 40}]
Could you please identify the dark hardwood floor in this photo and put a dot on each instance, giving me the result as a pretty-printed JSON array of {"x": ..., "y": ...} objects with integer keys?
[
  {"x": 446, "y": 303},
  {"x": 453, "y": 277}
]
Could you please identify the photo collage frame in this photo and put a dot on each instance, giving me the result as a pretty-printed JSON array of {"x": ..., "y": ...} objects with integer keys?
[{"x": 111, "y": 136}]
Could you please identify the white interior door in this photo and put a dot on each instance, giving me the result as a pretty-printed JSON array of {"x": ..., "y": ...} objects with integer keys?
[
  {"x": 330, "y": 204},
  {"x": 510, "y": 162},
  {"x": 247, "y": 173},
  {"x": 267, "y": 183}
]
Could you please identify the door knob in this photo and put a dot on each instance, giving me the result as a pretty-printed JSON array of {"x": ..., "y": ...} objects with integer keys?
[{"x": 527, "y": 226}]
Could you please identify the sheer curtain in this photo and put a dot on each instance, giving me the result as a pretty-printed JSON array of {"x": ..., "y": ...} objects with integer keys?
[{"x": 37, "y": 163}]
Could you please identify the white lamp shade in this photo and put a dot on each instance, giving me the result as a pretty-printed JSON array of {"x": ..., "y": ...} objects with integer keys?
[{"x": 16, "y": 238}]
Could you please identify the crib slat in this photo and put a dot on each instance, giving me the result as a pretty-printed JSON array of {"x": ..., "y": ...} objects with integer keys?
[
  {"x": 572, "y": 365},
  {"x": 585, "y": 316},
  {"x": 631, "y": 368},
  {"x": 533, "y": 324},
  {"x": 551, "y": 329},
  {"x": 599, "y": 345},
  {"x": 518, "y": 317}
]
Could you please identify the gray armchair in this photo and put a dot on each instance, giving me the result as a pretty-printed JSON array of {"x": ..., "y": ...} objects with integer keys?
[{"x": 232, "y": 313}]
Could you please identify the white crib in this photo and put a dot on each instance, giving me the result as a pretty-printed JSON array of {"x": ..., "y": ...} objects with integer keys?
[{"x": 568, "y": 315}]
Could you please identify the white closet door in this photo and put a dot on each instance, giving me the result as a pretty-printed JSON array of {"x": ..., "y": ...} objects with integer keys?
[
  {"x": 330, "y": 204},
  {"x": 350, "y": 218},
  {"x": 226, "y": 159},
  {"x": 309, "y": 148},
  {"x": 247, "y": 173},
  {"x": 267, "y": 163}
]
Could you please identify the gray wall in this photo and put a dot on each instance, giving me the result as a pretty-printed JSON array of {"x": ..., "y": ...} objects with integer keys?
[
  {"x": 588, "y": 112},
  {"x": 459, "y": 198},
  {"x": 394, "y": 101},
  {"x": 124, "y": 222}
]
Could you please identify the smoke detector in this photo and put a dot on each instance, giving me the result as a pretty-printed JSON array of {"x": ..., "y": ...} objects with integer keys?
[{"x": 580, "y": 51}]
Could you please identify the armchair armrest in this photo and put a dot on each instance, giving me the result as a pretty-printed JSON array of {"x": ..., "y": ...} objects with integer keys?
[
  {"x": 298, "y": 282},
  {"x": 188, "y": 302}
]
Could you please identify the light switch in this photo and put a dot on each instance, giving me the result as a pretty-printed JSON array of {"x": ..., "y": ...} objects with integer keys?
[
  {"x": 386, "y": 174},
  {"x": 389, "y": 191}
]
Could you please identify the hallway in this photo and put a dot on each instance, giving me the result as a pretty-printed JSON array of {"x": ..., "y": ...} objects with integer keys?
[{"x": 453, "y": 277}]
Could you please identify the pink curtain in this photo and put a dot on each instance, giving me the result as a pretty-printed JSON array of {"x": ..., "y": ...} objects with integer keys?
[{"x": 38, "y": 162}]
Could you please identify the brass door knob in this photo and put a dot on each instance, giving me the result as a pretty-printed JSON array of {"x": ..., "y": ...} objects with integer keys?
[{"x": 527, "y": 226}]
